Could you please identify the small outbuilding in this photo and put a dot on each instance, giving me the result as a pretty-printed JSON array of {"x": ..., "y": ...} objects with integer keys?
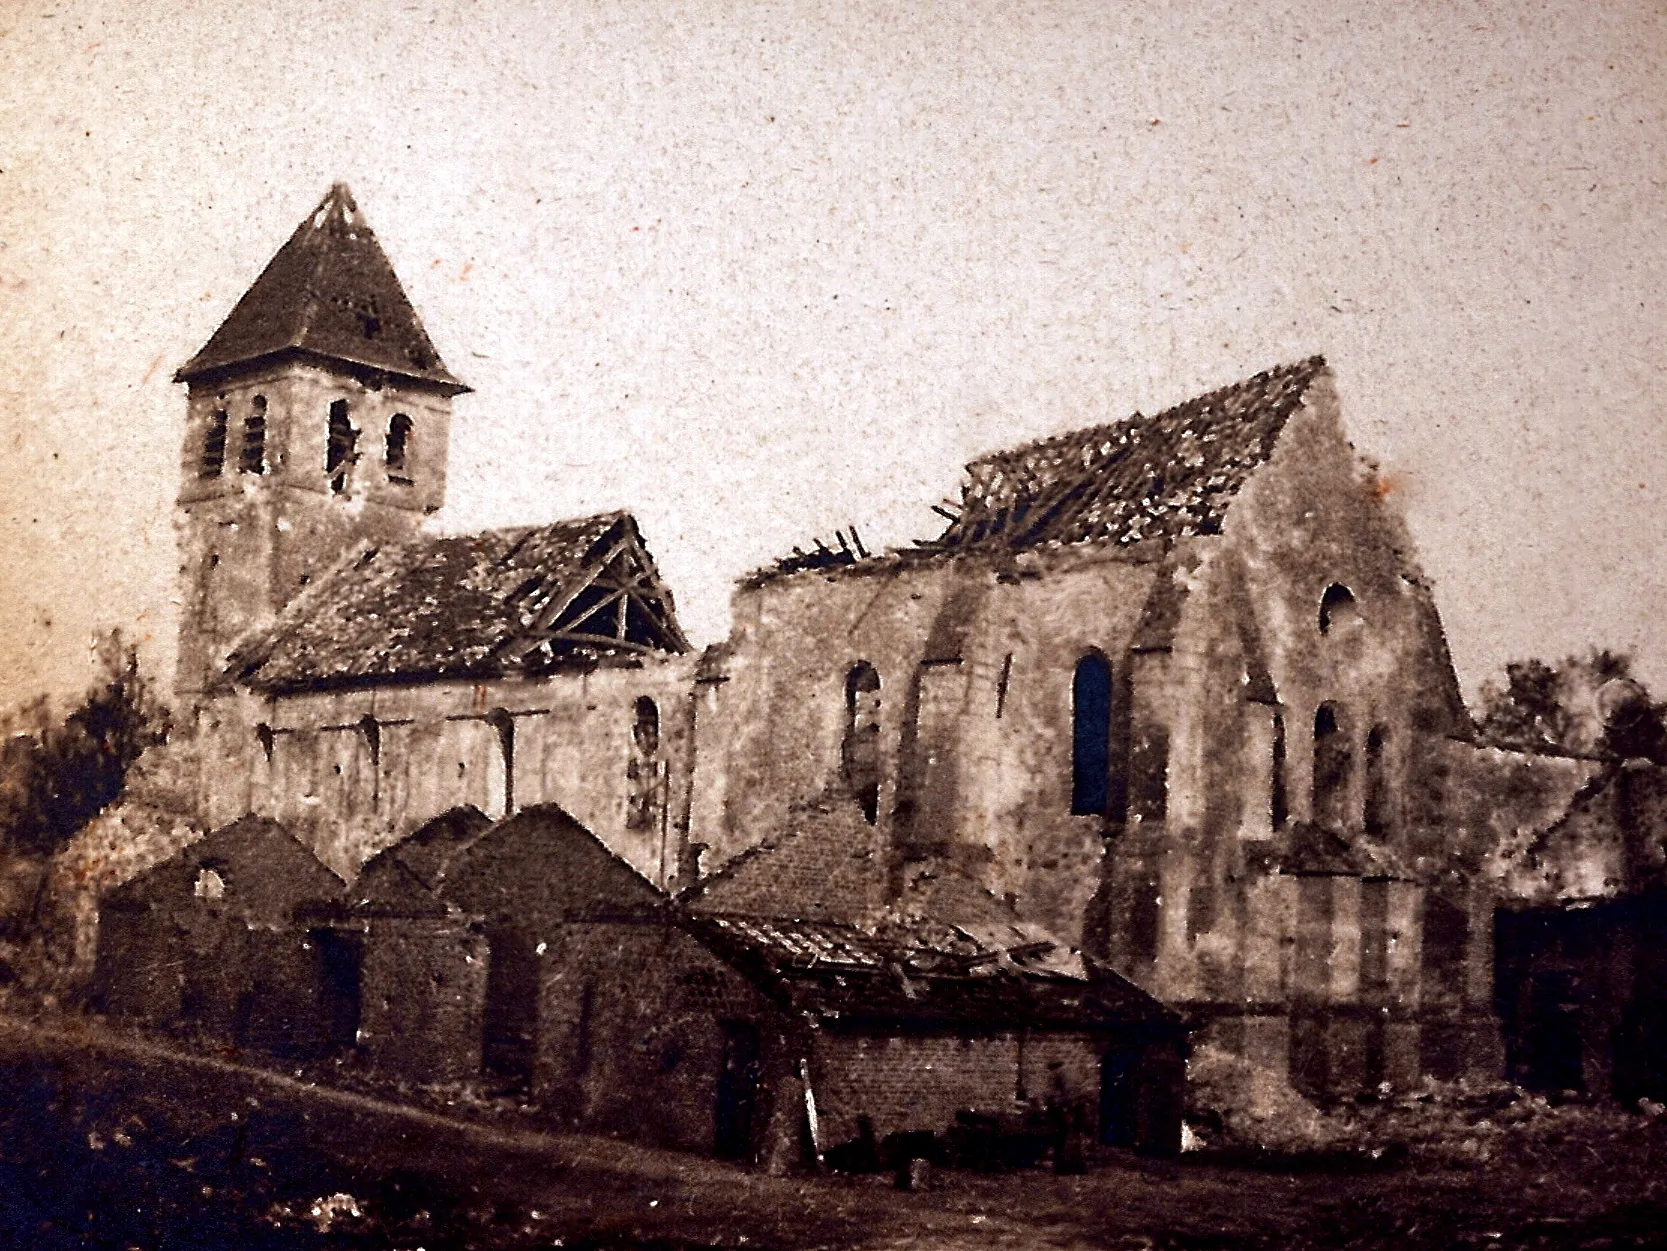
[
  {"x": 218, "y": 940},
  {"x": 423, "y": 977}
]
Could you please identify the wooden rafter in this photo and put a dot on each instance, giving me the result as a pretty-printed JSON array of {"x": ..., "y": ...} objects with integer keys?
[
  {"x": 599, "y": 640},
  {"x": 624, "y": 573},
  {"x": 559, "y": 604}
]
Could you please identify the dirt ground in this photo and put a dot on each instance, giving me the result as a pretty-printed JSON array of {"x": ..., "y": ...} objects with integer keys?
[{"x": 108, "y": 1142}]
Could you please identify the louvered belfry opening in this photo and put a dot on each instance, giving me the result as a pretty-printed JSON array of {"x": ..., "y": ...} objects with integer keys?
[
  {"x": 253, "y": 458},
  {"x": 214, "y": 445}
]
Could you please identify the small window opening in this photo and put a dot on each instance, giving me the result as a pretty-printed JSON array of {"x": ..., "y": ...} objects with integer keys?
[
  {"x": 342, "y": 449},
  {"x": 253, "y": 459},
  {"x": 1002, "y": 684},
  {"x": 266, "y": 739},
  {"x": 643, "y": 770},
  {"x": 214, "y": 445},
  {"x": 1337, "y": 607},
  {"x": 372, "y": 730},
  {"x": 860, "y": 750},
  {"x": 1333, "y": 763},
  {"x": 399, "y": 448},
  {"x": 210, "y": 883},
  {"x": 1091, "y": 736},
  {"x": 1379, "y": 802}
]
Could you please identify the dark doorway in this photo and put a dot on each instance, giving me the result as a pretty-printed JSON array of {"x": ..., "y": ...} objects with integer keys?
[
  {"x": 1119, "y": 1097},
  {"x": 1551, "y": 1033},
  {"x": 340, "y": 956},
  {"x": 737, "y": 1091},
  {"x": 510, "y": 1021}
]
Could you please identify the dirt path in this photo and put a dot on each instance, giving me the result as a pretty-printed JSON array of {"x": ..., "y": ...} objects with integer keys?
[{"x": 108, "y": 1140}]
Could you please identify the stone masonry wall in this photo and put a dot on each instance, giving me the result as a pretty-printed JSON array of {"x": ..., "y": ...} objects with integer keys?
[{"x": 311, "y": 761}]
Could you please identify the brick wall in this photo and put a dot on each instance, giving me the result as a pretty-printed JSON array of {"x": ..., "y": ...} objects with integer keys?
[
  {"x": 422, "y": 985},
  {"x": 630, "y": 1032}
]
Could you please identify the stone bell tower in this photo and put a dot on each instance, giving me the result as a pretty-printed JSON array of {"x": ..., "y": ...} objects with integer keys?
[{"x": 319, "y": 415}]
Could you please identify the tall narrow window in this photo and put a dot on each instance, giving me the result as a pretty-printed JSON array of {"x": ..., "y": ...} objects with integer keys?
[
  {"x": 214, "y": 445},
  {"x": 1379, "y": 803},
  {"x": 1091, "y": 736},
  {"x": 1333, "y": 762},
  {"x": 860, "y": 751},
  {"x": 1280, "y": 800},
  {"x": 342, "y": 449},
  {"x": 399, "y": 448},
  {"x": 253, "y": 459},
  {"x": 500, "y": 780},
  {"x": 642, "y": 771}
]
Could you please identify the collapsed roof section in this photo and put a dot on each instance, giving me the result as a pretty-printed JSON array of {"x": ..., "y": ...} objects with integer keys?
[
  {"x": 329, "y": 292},
  {"x": 1134, "y": 481},
  {"x": 1162, "y": 477},
  {"x": 847, "y": 976},
  {"x": 480, "y": 605}
]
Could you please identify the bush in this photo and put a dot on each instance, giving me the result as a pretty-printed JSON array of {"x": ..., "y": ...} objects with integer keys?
[{"x": 55, "y": 776}]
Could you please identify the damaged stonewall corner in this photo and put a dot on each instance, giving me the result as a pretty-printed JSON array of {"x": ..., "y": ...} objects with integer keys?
[{"x": 1155, "y": 745}]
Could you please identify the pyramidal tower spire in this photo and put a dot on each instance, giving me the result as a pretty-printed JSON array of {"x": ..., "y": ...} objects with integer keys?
[
  {"x": 330, "y": 292},
  {"x": 319, "y": 416}
]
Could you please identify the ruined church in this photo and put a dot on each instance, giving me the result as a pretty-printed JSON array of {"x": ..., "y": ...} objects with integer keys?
[{"x": 1157, "y": 737}]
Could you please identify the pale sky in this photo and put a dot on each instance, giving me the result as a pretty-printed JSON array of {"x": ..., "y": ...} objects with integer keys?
[{"x": 760, "y": 270}]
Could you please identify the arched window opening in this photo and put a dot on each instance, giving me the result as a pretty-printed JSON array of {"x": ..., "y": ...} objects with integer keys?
[
  {"x": 399, "y": 448},
  {"x": 1333, "y": 763},
  {"x": 1337, "y": 607},
  {"x": 860, "y": 751},
  {"x": 644, "y": 771},
  {"x": 1379, "y": 801},
  {"x": 210, "y": 882},
  {"x": 342, "y": 448},
  {"x": 1091, "y": 736},
  {"x": 214, "y": 445},
  {"x": 1279, "y": 800},
  {"x": 253, "y": 458},
  {"x": 267, "y": 740}
]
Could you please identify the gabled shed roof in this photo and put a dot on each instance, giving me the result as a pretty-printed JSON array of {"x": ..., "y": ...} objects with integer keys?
[
  {"x": 330, "y": 292},
  {"x": 470, "y": 605}
]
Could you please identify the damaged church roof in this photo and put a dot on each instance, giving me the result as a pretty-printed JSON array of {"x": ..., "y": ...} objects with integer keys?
[
  {"x": 330, "y": 291},
  {"x": 1163, "y": 477},
  {"x": 1130, "y": 482},
  {"x": 470, "y": 605}
]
